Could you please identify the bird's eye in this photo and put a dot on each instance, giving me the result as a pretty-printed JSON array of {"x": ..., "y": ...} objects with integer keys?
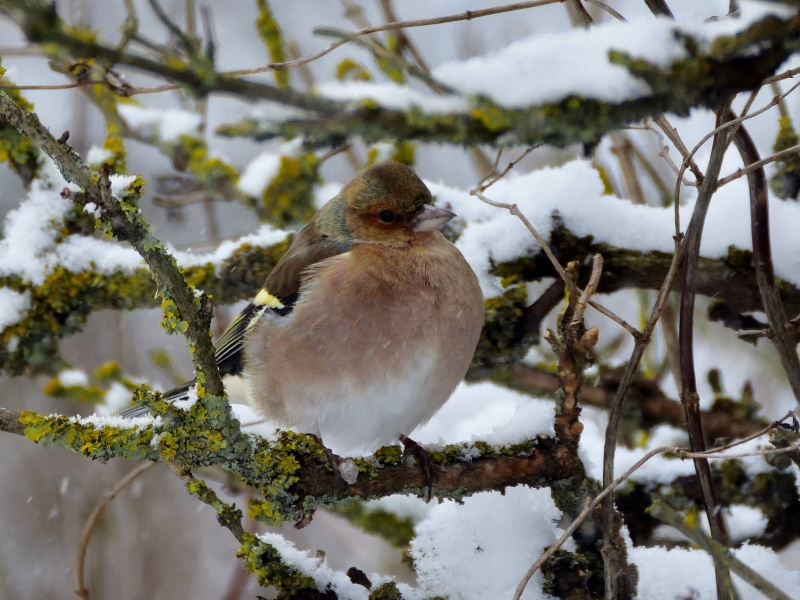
[{"x": 387, "y": 216}]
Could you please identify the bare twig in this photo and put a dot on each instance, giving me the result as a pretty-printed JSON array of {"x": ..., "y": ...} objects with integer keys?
[
  {"x": 466, "y": 16},
  {"x": 759, "y": 164},
  {"x": 783, "y": 336},
  {"x": 689, "y": 395},
  {"x": 676, "y": 140},
  {"x": 514, "y": 210},
  {"x": 781, "y": 76},
  {"x": 602, "y": 5},
  {"x": 607, "y": 490},
  {"x": 666, "y": 514},
  {"x": 482, "y": 187},
  {"x": 94, "y": 517},
  {"x": 591, "y": 287}
]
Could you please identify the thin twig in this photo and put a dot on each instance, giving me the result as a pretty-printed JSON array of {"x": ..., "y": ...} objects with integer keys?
[
  {"x": 784, "y": 337},
  {"x": 591, "y": 287},
  {"x": 781, "y": 76},
  {"x": 602, "y": 5},
  {"x": 676, "y": 140},
  {"x": 514, "y": 210},
  {"x": 482, "y": 187},
  {"x": 721, "y": 554},
  {"x": 94, "y": 517},
  {"x": 689, "y": 395},
  {"x": 740, "y": 172},
  {"x": 466, "y": 16},
  {"x": 622, "y": 478}
]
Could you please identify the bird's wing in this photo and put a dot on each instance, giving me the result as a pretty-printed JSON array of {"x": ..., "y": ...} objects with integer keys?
[{"x": 279, "y": 294}]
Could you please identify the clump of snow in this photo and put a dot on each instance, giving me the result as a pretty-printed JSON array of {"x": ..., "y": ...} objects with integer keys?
[
  {"x": 187, "y": 400},
  {"x": 13, "y": 306},
  {"x": 120, "y": 183},
  {"x": 92, "y": 209},
  {"x": 669, "y": 574},
  {"x": 99, "y": 421},
  {"x": 481, "y": 549},
  {"x": 487, "y": 412},
  {"x": 265, "y": 236},
  {"x": 393, "y": 96},
  {"x": 257, "y": 176},
  {"x": 574, "y": 193},
  {"x": 82, "y": 253},
  {"x": 549, "y": 67},
  {"x": 318, "y": 569},
  {"x": 28, "y": 234},
  {"x": 745, "y": 521},
  {"x": 166, "y": 125},
  {"x": 97, "y": 156},
  {"x": 73, "y": 378}
]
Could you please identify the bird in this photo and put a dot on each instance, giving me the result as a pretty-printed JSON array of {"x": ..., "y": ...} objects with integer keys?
[{"x": 367, "y": 324}]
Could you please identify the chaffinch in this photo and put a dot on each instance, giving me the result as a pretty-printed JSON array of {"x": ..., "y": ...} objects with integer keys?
[{"x": 366, "y": 326}]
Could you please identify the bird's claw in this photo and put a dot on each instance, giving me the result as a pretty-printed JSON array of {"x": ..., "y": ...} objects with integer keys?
[{"x": 424, "y": 459}]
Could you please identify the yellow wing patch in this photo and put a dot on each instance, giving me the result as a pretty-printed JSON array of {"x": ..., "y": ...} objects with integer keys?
[{"x": 264, "y": 298}]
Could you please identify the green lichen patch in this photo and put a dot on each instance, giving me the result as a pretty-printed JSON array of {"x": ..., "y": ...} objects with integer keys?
[
  {"x": 95, "y": 441},
  {"x": 265, "y": 562}
]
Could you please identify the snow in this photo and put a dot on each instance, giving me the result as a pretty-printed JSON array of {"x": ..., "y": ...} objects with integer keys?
[
  {"x": 257, "y": 176},
  {"x": 574, "y": 192},
  {"x": 13, "y": 306},
  {"x": 97, "y": 156},
  {"x": 550, "y": 67},
  {"x": 92, "y": 209},
  {"x": 73, "y": 378},
  {"x": 318, "y": 569},
  {"x": 167, "y": 125},
  {"x": 29, "y": 235},
  {"x": 120, "y": 183},
  {"x": 745, "y": 522},
  {"x": 458, "y": 546},
  {"x": 98, "y": 421},
  {"x": 487, "y": 412},
  {"x": 393, "y": 96},
  {"x": 187, "y": 400},
  {"x": 265, "y": 236},
  {"x": 669, "y": 574}
]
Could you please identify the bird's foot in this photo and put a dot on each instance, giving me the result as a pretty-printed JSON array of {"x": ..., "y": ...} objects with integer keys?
[
  {"x": 424, "y": 459},
  {"x": 344, "y": 468}
]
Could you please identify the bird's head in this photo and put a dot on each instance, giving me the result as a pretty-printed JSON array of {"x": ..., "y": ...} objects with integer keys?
[{"x": 389, "y": 204}]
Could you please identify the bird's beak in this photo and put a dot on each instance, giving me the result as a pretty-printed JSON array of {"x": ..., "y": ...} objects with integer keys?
[{"x": 431, "y": 218}]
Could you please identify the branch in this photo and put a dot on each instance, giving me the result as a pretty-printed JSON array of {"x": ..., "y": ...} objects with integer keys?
[
  {"x": 126, "y": 223},
  {"x": 721, "y": 554},
  {"x": 689, "y": 396},
  {"x": 652, "y": 406},
  {"x": 783, "y": 336}
]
